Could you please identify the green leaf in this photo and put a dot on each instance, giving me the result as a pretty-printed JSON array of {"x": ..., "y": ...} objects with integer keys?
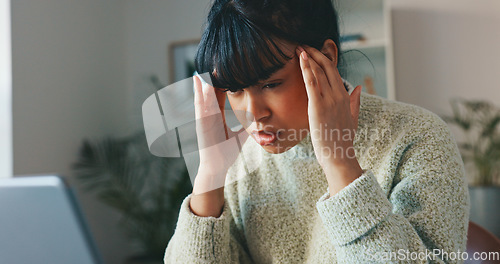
[
  {"x": 145, "y": 189},
  {"x": 490, "y": 127}
]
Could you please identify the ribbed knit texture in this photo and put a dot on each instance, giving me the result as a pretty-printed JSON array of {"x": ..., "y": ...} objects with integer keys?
[{"x": 411, "y": 196}]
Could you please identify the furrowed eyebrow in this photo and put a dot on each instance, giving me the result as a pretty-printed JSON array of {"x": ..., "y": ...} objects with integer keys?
[{"x": 270, "y": 78}]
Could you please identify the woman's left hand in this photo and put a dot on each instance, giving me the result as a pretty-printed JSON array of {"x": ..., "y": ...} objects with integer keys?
[{"x": 333, "y": 117}]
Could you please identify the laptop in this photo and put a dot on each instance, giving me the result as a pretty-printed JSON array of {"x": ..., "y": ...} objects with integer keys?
[{"x": 41, "y": 222}]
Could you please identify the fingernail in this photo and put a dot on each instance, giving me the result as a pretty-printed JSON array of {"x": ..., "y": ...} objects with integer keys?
[
  {"x": 300, "y": 48},
  {"x": 304, "y": 55}
]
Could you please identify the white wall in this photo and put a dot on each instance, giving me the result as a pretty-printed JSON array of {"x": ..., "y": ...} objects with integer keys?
[
  {"x": 68, "y": 79},
  {"x": 5, "y": 91},
  {"x": 444, "y": 49},
  {"x": 69, "y": 84},
  {"x": 79, "y": 72},
  {"x": 151, "y": 27}
]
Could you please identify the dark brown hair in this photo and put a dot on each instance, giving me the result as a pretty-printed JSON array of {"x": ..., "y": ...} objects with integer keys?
[{"x": 239, "y": 44}]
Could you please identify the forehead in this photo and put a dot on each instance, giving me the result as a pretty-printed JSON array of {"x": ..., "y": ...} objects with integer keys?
[
  {"x": 289, "y": 50},
  {"x": 288, "y": 67},
  {"x": 286, "y": 47}
]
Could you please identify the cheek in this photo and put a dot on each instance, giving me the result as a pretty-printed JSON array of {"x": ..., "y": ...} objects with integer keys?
[
  {"x": 300, "y": 96},
  {"x": 300, "y": 110},
  {"x": 294, "y": 107},
  {"x": 238, "y": 110},
  {"x": 299, "y": 93}
]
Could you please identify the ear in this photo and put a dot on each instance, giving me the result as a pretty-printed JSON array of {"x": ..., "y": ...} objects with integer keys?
[{"x": 330, "y": 50}]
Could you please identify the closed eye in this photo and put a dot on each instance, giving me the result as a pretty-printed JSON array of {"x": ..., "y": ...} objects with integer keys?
[
  {"x": 230, "y": 92},
  {"x": 271, "y": 85}
]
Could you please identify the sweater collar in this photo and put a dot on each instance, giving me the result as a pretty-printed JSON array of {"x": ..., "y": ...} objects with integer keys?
[{"x": 348, "y": 85}]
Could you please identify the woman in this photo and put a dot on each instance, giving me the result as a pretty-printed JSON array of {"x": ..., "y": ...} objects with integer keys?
[{"x": 330, "y": 174}]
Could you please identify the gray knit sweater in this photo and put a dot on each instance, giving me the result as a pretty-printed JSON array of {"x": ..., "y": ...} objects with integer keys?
[{"x": 410, "y": 202}]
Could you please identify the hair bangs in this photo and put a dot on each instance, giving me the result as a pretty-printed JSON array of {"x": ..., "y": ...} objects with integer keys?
[{"x": 241, "y": 54}]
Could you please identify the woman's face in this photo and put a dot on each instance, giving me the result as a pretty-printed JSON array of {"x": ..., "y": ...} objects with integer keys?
[{"x": 275, "y": 111}]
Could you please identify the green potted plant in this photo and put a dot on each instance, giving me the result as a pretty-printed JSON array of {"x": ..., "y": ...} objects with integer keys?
[
  {"x": 480, "y": 123},
  {"x": 145, "y": 189}
]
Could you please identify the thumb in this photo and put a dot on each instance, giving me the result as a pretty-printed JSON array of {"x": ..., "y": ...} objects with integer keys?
[{"x": 354, "y": 99}]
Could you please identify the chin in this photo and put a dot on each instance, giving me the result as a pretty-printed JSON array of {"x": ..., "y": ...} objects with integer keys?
[{"x": 277, "y": 148}]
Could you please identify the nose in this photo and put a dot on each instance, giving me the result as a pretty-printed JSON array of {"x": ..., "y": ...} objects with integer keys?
[{"x": 257, "y": 109}]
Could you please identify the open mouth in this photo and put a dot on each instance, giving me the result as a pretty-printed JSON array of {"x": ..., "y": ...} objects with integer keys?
[{"x": 265, "y": 138}]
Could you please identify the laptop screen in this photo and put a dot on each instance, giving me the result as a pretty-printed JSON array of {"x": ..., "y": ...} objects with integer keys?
[{"x": 41, "y": 222}]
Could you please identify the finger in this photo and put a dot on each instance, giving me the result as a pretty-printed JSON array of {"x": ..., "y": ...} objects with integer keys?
[
  {"x": 215, "y": 104},
  {"x": 221, "y": 102},
  {"x": 330, "y": 69},
  {"x": 211, "y": 104},
  {"x": 312, "y": 89},
  {"x": 355, "y": 103},
  {"x": 221, "y": 99},
  {"x": 198, "y": 97},
  {"x": 320, "y": 75}
]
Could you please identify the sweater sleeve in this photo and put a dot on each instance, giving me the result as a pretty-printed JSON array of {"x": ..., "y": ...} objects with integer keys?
[
  {"x": 204, "y": 239},
  {"x": 423, "y": 218}
]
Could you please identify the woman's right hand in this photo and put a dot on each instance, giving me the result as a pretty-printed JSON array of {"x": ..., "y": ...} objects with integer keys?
[{"x": 218, "y": 149}]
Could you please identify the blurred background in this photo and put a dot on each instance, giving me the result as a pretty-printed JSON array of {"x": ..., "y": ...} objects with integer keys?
[{"x": 82, "y": 69}]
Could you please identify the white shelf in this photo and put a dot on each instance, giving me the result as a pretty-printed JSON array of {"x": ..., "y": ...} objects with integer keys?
[
  {"x": 364, "y": 44},
  {"x": 372, "y": 67}
]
